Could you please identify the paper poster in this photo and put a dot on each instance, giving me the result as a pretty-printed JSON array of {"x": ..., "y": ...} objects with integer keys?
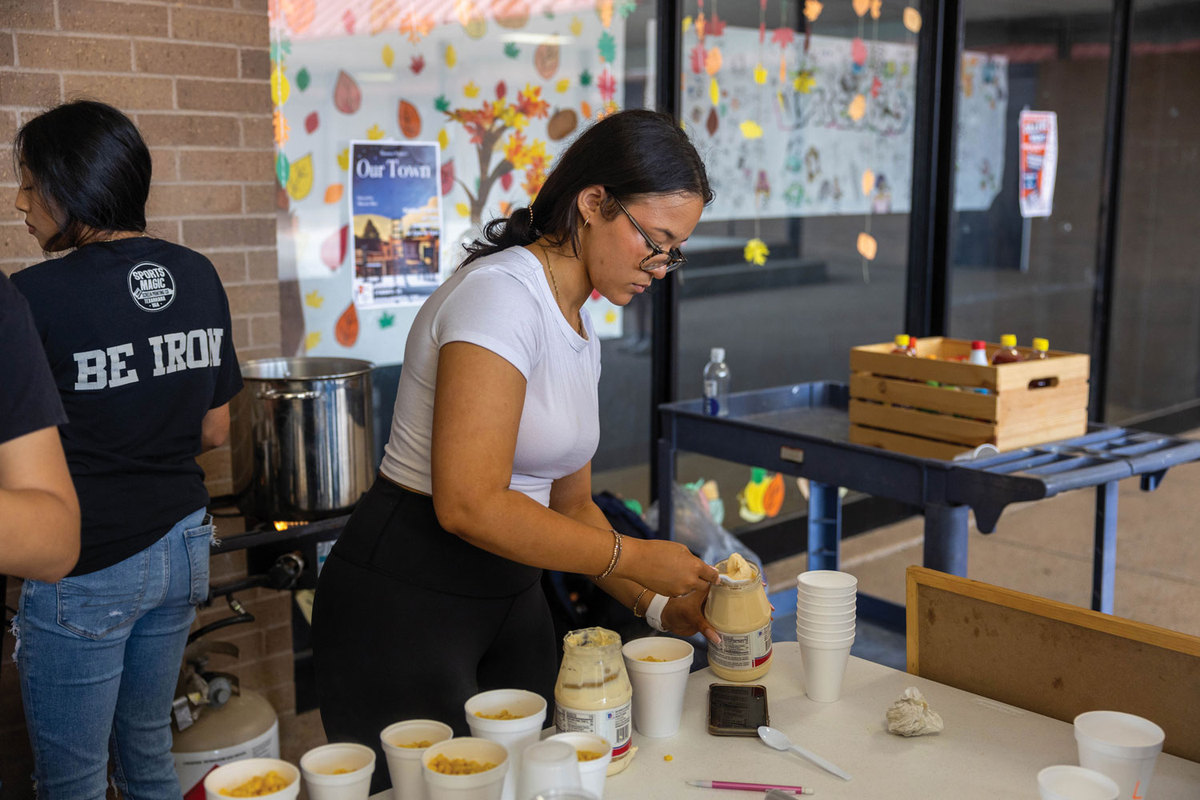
[
  {"x": 396, "y": 222},
  {"x": 1038, "y": 161}
]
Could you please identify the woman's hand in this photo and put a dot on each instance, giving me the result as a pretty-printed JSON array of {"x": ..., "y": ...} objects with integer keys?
[
  {"x": 667, "y": 568},
  {"x": 684, "y": 616}
]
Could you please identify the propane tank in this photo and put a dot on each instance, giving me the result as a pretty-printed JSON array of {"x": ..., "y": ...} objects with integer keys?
[{"x": 246, "y": 726}]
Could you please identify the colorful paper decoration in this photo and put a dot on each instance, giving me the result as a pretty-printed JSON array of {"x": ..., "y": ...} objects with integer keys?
[
  {"x": 333, "y": 192},
  {"x": 756, "y": 252},
  {"x": 912, "y": 19},
  {"x": 868, "y": 181},
  {"x": 751, "y": 129},
  {"x": 345, "y": 330},
  {"x": 867, "y": 246},
  {"x": 300, "y": 177},
  {"x": 313, "y": 299},
  {"x": 858, "y": 107},
  {"x": 812, "y": 9}
]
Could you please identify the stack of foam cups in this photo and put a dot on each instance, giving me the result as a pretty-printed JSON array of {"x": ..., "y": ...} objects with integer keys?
[{"x": 825, "y": 607}]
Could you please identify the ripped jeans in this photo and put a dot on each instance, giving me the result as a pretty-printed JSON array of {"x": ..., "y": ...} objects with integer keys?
[{"x": 99, "y": 656}]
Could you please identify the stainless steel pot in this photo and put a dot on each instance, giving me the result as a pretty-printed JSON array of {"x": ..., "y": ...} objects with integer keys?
[{"x": 302, "y": 445}]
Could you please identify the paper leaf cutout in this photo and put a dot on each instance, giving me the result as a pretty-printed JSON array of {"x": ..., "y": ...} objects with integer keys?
[
  {"x": 441, "y": 103},
  {"x": 511, "y": 50},
  {"x": 714, "y": 91},
  {"x": 314, "y": 299},
  {"x": 585, "y": 78},
  {"x": 280, "y": 88},
  {"x": 760, "y": 74},
  {"x": 783, "y": 36},
  {"x": 713, "y": 122},
  {"x": 756, "y": 252},
  {"x": 343, "y": 159},
  {"x": 443, "y": 139},
  {"x": 610, "y": 316},
  {"x": 386, "y": 320},
  {"x": 876, "y": 86},
  {"x": 447, "y": 175},
  {"x": 471, "y": 90},
  {"x": 545, "y": 60},
  {"x": 858, "y": 51},
  {"x": 626, "y": 7},
  {"x": 311, "y": 122},
  {"x": 347, "y": 97},
  {"x": 804, "y": 82},
  {"x": 861, "y": 6},
  {"x": 607, "y": 85},
  {"x": 312, "y": 340},
  {"x": 696, "y": 59},
  {"x": 562, "y": 124},
  {"x": 751, "y": 129},
  {"x": 701, "y": 24},
  {"x": 506, "y": 181},
  {"x": 300, "y": 178},
  {"x": 687, "y": 24},
  {"x": 812, "y": 9},
  {"x": 501, "y": 90},
  {"x": 381, "y": 16},
  {"x": 868, "y": 181},
  {"x": 585, "y": 108},
  {"x": 333, "y": 192},
  {"x": 712, "y": 61},
  {"x": 716, "y": 25},
  {"x": 410, "y": 119},
  {"x": 279, "y": 125},
  {"x": 348, "y": 22},
  {"x": 282, "y": 168},
  {"x": 417, "y": 64},
  {"x": 462, "y": 209},
  {"x": 303, "y": 79},
  {"x": 876, "y": 8},
  {"x": 346, "y": 329},
  {"x": 450, "y": 56},
  {"x": 576, "y": 27},
  {"x": 912, "y": 19},
  {"x": 375, "y": 133},
  {"x": 858, "y": 107},
  {"x": 605, "y": 9},
  {"x": 782, "y": 67},
  {"x": 388, "y": 55},
  {"x": 606, "y": 47},
  {"x": 867, "y": 246},
  {"x": 333, "y": 249},
  {"x": 562, "y": 85}
]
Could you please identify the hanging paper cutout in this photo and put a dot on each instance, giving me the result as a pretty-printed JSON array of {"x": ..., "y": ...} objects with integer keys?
[
  {"x": 714, "y": 92},
  {"x": 311, "y": 122},
  {"x": 783, "y": 36},
  {"x": 861, "y": 7},
  {"x": 576, "y": 26},
  {"x": 443, "y": 139},
  {"x": 756, "y": 252},
  {"x": 348, "y": 22},
  {"x": 383, "y": 15},
  {"x": 282, "y": 168},
  {"x": 388, "y": 55},
  {"x": 451, "y": 56},
  {"x": 545, "y": 60},
  {"x": 696, "y": 59},
  {"x": 347, "y": 97},
  {"x": 760, "y": 74},
  {"x": 416, "y": 27},
  {"x": 386, "y": 320},
  {"x": 876, "y": 8},
  {"x": 447, "y": 173},
  {"x": 562, "y": 85},
  {"x": 716, "y": 26},
  {"x": 410, "y": 119},
  {"x": 280, "y": 88},
  {"x": 299, "y": 14},
  {"x": 868, "y": 181},
  {"x": 511, "y": 50},
  {"x": 713, "y": 122},
  {"x": 333, "y": 192},
  {"x": 470, "y": 91},
  {"x": 867, "y": 246},
  {"x": 300, "y": 178},
  {"x": 343, "y": 159},
  {"x": 417, "y": 64},
  {"x": 858, "y": 107},
  {"x": 280, "y": 126},
  {"x": 303, "y": 79},
  {"x": 312, "y": 340},
  {"x": 606, "y": 48},
  {"x": 751, "y": 129},
  {"x": 812, "y": 9},
  {"x": 858, "y": 51},
  {"x": 375, "y": 132},
  {"x": 912, "y": 19},
  {"x": 712, "y": 61},
  {"x": 346, "y": 328},
  {"x": 313, "y": 299}
]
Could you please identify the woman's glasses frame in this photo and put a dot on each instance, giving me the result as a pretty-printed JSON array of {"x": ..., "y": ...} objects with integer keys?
[{"x": 675, "y": 258}]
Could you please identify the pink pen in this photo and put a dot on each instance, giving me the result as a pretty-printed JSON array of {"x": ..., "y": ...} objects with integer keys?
[{"x": 750, "y": 787}]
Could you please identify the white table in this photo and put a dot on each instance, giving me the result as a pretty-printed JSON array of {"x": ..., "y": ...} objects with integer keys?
[{"x": 987, "y": 750}]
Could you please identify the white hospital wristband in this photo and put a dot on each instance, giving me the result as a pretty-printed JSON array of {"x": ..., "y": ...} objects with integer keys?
[{"x": 654, "y": 612}]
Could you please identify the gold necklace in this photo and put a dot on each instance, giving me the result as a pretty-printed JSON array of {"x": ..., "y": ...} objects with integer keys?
[{"x": 554, "y": 285}]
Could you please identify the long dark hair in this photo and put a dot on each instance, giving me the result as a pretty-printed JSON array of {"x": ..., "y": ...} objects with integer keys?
[
  {"x": 630, "y": 153},
  {"x": 90, "y": 163}
]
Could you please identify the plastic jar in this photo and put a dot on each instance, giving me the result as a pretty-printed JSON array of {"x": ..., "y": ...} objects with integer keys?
[
  {"x": 593, "y": 693},
  {"x": 741, "y": 613}
]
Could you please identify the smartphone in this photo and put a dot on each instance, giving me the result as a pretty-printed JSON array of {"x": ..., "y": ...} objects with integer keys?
[{"x": 737, "y": 709}]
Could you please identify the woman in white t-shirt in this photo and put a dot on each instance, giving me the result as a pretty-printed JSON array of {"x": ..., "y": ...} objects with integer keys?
[{"x": 433, "y": 591}]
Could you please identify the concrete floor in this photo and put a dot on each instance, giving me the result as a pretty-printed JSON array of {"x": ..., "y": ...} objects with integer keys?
[{"x": 1044, "y": 548}]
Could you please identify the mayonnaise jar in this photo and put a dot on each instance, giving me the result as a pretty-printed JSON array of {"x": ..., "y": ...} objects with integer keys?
[
  {"x": 741, "y": 613},
  {"x": 593, "y": 693}
]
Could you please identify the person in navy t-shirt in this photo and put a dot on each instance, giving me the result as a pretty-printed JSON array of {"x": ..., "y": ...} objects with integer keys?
[{"x": 137, "y": 333}]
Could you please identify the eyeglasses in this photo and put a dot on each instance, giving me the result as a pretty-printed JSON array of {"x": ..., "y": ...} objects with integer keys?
[{"x": 674, "y": 258}]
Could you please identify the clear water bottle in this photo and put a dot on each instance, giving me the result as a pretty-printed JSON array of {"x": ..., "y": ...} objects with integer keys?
[{"x": 716, "y": 384}]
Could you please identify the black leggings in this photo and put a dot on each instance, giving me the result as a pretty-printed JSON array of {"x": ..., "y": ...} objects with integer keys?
[{"x": 387, "y": 648}]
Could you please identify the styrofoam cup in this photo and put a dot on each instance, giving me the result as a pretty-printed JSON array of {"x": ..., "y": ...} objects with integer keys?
[
  {"x": 658, "y": 686},
  {"x": 592, "y": 771},
  {"x": 827, "y": 583},
  {"x": 548, "y": 765},
  {"x": 1069, "y": 782},
  {"x": 338, "y": 771},
  {"x": 824, "y": 668},
  {"x": 825, "y": 605},
  {"x": 234, "y": 774},
  {"x": 807, "y": 615},
  {"x": 404, "y": 759},
  {"x": 826, "y": 629},
  {"x": 486, "y": 785},
  {"x": 804, "y": 633},
  {"x": 1123, "y": 746},
  {"x": 515, "y": 734}
]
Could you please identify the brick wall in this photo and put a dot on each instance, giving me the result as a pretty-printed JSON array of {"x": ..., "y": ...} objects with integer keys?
[{"x": 193, "y": 76}]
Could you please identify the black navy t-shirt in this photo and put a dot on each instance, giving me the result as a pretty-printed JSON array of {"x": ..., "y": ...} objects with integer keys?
[
  {"x": 138, "y": 336},
  {"x": 28, "y": 397}
]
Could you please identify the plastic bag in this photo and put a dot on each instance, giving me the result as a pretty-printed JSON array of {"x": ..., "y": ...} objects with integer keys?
[{"x": 696, "y": 529}]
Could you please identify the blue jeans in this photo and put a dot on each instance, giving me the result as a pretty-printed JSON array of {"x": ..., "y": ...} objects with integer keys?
[{"x": 99, "y": 656}]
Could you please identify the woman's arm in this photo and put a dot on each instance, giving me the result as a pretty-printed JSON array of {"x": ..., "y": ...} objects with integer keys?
[
  {"x": 477, "y": 412},
  {"x": 214, "y": 429},
  {"x": 39, "y": 512}
]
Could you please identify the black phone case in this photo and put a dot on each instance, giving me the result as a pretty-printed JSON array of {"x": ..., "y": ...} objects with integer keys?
[{"x": 737, "y": 710}]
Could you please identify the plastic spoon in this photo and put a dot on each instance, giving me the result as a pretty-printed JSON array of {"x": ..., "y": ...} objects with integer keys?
[
  {"x": 780, "y": 741},
  {"x": 728, "y": 581}
]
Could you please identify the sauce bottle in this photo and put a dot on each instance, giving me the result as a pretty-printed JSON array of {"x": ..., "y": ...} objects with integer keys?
[
  {"x": 593, "y": 692},
  {"x": 901, "y": 344},
  {"x": 1008, "y": 352},
  {"x": 1041, "y": 348},
  {"x": 741, "y": 614}
]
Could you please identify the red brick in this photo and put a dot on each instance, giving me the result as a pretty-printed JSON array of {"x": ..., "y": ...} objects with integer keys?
[
  {"x": 283, "y": 699},
  {"x": 74, "y": 53},
  {"x": 262, "y": 265},
  {"x": 248, "y": 353},
  {"x": 166, "y": 163},
  {"x": 128, "y": 93},
  {"x": 252, "y": 5},
  {"x": 258, "y": 131},
  {"x": 241, "y": 335},
  {"x": 264, "y": 330},
  {"x": 227, "y": 165},
  {"x": 8, "y": 131},
  {"x": 21, "y": 15},
  {"x": 258, "y": 198},
  {"x": 16, "y": 244},
  {"x": 255, "y": 64},
  {"x": 7, "y": 51},
  {"x": 208, "y": 130},
  {"x": 164, "y": 228},
  {"x": 204, "y": 95},
  {"x": 227, "y": 566},
  {"x": 187, "y": 199},
  {"x": 201, "y": 234},
  {"x": 176, "y": 58},
  {"x": 125, "y": 19},
  {"x": 276, "y": 670},
  {"x": 258, "y": 298},
  {"x": 37, "y": 89},
  {"x": 231, "y": 266},
  {"x": 232, "y": 27}
]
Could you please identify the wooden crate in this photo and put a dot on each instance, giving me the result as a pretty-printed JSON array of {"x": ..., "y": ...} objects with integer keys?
[{"x": 894, "y": 406}]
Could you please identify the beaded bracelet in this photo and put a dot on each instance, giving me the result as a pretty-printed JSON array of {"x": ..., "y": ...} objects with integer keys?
[
  {"x": 637, "y": 600},
  {"x": 616, "y": 556}
]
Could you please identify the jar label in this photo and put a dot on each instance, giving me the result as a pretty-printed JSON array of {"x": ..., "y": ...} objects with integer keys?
[
  {"x": 614, "y": 724},
  {"x": 742, "y": 650}
]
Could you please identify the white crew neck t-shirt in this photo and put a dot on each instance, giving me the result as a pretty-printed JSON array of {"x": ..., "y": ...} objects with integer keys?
[{"x": 503, "y": 303}]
